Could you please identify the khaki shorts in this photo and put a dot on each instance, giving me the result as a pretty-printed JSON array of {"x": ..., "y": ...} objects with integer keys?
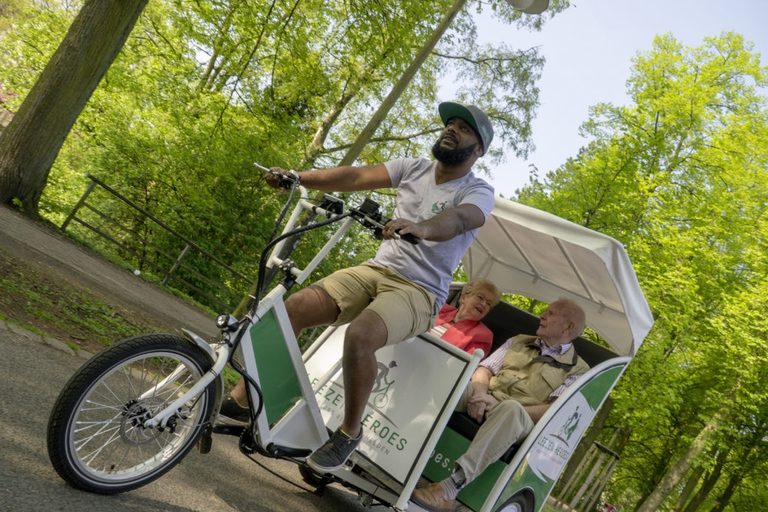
[{"x": 407, "y": 309}]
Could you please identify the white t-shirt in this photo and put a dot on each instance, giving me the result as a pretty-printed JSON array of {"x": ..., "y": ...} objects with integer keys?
[{"x": 430, "y": 264}]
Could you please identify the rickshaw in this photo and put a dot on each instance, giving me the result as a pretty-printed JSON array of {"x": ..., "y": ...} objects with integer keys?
[{"x": 134, "y": 410}]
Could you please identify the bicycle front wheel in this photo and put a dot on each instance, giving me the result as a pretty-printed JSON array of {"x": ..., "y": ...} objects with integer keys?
[{"x": 97, "y": 441}]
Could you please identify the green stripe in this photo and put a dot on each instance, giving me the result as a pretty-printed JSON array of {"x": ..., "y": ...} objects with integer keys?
[{"x": 279, "y": 382}]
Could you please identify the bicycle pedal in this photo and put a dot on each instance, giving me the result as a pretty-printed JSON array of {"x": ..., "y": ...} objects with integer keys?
[
  {"x": 229, "y": 430},
  {"x": 247, "y": 442}
]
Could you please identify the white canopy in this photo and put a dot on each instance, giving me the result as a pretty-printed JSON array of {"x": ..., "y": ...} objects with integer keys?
[{"x": 539, "y": 255}]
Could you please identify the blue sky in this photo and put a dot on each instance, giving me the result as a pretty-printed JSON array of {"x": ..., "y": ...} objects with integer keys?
[{"x": 589, "y": 49}]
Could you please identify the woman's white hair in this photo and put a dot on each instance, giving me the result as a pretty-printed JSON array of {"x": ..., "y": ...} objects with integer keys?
[{"x": 473, "y": 286}]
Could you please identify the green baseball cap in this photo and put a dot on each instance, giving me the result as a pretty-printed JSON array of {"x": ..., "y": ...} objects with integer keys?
[{"x": 471, "y": 114}]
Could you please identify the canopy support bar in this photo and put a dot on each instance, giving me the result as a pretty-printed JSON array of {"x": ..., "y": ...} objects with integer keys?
[{"x": 575, "y": 269}]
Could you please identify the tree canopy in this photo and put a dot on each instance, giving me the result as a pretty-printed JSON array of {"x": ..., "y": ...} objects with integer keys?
[
  {"x": 203, "y": 89},
  {"x": 679, "y": 176}
]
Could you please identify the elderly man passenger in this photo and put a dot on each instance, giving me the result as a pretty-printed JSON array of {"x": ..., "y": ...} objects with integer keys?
[{"x": 509, "y": 392}]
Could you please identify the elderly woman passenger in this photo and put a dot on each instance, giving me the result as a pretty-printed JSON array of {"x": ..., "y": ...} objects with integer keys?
[{"x": 462, "y": 327}]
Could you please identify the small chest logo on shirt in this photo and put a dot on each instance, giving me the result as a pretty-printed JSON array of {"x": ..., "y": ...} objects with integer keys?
[{"x": 439, "y": 206}]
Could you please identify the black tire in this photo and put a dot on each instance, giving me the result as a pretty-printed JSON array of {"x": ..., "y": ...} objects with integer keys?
[
  {"x": 518, "y": 503},
  {"x": 95, "y": 439}
]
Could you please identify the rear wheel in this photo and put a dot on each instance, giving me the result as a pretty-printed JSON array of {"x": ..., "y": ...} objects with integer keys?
[
  {"x": 517, "y": 503},
  {"x": 97, "y": 441}
]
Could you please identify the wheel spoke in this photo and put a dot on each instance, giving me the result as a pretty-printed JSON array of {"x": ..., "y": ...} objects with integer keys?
[{"x": 89, "y": 457}]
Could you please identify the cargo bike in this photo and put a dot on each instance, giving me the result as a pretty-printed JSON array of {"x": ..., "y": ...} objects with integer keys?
[{"x": 136, "y": 409}]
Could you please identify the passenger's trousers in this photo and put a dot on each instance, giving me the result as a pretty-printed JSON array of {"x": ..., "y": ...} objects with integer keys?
[{"x": 506, "y": 423}]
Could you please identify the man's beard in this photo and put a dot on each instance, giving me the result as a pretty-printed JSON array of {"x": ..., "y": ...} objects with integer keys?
[{"x": 452, "y": 157}]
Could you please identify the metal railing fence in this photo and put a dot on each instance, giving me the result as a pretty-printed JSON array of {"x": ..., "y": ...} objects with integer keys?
[{"x": 171, "y": 266}]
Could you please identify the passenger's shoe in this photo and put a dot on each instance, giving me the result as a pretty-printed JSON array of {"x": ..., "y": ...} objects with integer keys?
[
  {"x": 334, "y": 453},
  {"x": 232, "y": 413},
  {"x": 432, "y": 498}
]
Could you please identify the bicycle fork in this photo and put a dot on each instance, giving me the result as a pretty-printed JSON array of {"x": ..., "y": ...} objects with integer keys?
[{"x": 161, "y": 418}]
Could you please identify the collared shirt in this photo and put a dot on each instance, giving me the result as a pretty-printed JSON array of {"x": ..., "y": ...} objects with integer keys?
[
  {"x": 494, "y": 362},
  {"x": 467, "y": 334}
]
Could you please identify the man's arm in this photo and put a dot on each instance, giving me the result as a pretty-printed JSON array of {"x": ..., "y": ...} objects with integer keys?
[
  {"x": 341, "y": 179},
  {"x": 443, "y": 226},
  {"x": 480, "y": 380}
]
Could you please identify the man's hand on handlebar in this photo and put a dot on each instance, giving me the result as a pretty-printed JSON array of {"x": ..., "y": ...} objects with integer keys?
[
  {"x": 280, "y": 179},
  {"x": 402, "y": 227}
]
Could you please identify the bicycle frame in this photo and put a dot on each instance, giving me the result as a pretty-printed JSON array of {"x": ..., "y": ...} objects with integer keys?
[{"x": 271, "y": 303}]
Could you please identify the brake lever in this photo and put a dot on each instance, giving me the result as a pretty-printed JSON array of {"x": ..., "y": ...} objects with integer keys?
[{"x": 287, "y": 181}]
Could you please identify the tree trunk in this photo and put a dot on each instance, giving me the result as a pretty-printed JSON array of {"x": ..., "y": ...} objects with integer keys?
[
  {"x": 690, "y": 486},
  {"x": 351, "y": 89},
  {"x": 625, "y": 433},
  {"x": 31, "y": 142},
  {"x": 365, "y": 136},
  {"x": 725, "y": 498},
  {"x": 677, "y": 471},
  {"x": 709, "y": 483}
]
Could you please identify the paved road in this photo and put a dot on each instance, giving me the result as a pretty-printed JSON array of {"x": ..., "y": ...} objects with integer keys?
[
  {"x": 31, "y": 374},
  {"x": 42, "y": 245}
]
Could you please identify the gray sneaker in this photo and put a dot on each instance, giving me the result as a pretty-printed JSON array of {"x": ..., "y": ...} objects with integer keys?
[
  {"x": 334, "y": 453},
  {"x": 232, "y": 413}
]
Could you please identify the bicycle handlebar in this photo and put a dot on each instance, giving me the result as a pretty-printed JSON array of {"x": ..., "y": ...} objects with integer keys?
[
  {"x": 411, "y": 239},
  {"x": 369, "y": 216},
  {"x": 366, "y": 214},
  {"x": 287, "y": 181}
]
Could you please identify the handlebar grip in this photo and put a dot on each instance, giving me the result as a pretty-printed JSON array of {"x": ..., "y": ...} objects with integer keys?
[
  {"x": 411, "y": 239},
  {"x": 287, "y": 180}
]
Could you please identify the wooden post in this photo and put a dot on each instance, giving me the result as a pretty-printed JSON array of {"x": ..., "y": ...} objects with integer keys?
[
  {"x": 176, "y": 264},
  {"x": 80, "y": 203}
]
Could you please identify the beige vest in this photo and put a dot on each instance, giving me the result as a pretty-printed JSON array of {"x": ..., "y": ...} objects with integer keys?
[{"x": 527, "y": 381}]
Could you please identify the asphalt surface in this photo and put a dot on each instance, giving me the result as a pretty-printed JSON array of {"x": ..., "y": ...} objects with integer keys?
[
  {"x": 38, "y": 243},
  {"x": 33, "y": 372}
]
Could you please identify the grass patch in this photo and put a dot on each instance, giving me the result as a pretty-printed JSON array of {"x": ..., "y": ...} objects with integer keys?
[
  {"x": 230, "y": 378},
  {"x": 38, "y": 300}
]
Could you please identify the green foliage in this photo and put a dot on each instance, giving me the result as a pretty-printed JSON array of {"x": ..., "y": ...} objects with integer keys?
[
  {"x": 202, "y": 90},
  {"x": 679, "y": 177}
]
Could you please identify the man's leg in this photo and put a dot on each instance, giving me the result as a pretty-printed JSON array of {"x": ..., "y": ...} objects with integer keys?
[
  {"x": 506, "y": 424},
  {"x": 365, "y": 334}
]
